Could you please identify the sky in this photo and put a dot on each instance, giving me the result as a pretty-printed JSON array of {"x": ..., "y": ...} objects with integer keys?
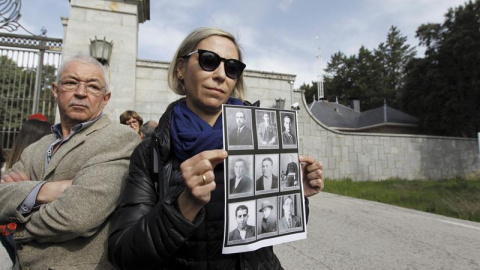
[{"x": 282, "y": 36}]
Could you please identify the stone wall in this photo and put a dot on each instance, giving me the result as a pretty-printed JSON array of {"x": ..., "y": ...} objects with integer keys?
[
  {"x": 115, "y": 21},
  {"x": 368, "y": 156}
]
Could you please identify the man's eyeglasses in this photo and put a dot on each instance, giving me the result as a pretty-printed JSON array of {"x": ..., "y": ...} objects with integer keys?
[
  {"x": 209, "y": 61},
  {"x": 92, "y": 88}
]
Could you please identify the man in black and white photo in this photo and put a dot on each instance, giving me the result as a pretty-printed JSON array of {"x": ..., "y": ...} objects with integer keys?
[
  {"x": 268, "y": 180},
  {"x": 288, "y": 135},
  {"x": 241, "y": 134},
  {"x": 291, "y": 173},
  {"x": 243, "y": 230},
  {"x": 289, "y": 220},
  {"x": 241, "y": 183},
  {"x": 269, "y": 221},
  {"x": 267, "y": 132}
]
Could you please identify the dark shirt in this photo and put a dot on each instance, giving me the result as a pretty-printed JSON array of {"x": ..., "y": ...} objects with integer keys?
[
  {"x": 288, "y": 138},
  {"x": 268, "y": 225},
  {"x": 235, "y": 234},
  {"x": 245, "y": 185},
  {"x": 291, "y": 179},
  {"x": 241, "y": 137}
]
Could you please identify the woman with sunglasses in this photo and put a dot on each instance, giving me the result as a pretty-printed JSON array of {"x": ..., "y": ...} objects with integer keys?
[{"x": 171, "y": 214}]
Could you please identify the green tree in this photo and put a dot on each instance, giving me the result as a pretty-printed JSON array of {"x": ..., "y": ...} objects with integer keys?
[
  {"x": 443, "y": 88},
  {"x": 394, "y": 54},
  {"x": 370, "y": 76},
  {"x": 15, "y": 99}
]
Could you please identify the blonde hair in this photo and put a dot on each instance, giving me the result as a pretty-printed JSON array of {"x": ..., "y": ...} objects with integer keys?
[{"x": 188, "y": 45}]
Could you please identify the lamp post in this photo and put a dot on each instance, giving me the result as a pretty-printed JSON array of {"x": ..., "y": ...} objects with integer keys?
[{"x": 101, "y": 50}]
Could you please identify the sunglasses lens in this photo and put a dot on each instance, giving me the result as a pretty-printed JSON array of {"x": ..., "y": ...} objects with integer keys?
[
  {"x": 234, "y": 68},
  {"x": 209, "y": 61}
]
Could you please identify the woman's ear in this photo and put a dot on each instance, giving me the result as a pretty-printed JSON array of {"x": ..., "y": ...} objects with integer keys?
[{"x": 180, "y": 68}]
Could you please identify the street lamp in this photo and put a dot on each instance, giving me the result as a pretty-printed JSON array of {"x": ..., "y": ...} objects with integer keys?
[{"x": 101, "y": 50}]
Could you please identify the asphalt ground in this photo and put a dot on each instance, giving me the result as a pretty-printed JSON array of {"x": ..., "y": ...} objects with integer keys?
[{"x": 345, "y": 233}]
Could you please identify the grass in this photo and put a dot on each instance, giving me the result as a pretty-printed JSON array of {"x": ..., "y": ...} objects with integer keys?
[{"x": 458, "y": 198}]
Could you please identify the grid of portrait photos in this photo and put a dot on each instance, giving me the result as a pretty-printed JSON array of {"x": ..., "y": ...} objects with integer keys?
[{"x": 264, "y": 203}]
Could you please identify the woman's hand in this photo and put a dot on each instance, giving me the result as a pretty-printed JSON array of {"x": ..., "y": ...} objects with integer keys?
[
  {"x": 199, "y": 180},
  {"x": 312, "y": 171}
]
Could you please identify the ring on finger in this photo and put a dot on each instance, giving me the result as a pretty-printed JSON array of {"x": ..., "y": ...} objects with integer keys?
[{"x": 204, "y": 178}]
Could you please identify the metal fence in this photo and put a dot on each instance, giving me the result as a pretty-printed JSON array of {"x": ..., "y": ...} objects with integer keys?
[{"x": 28, "y": 67}]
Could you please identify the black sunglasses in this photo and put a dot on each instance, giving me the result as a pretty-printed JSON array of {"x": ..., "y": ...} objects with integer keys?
[{"x": 209, "y": 61}]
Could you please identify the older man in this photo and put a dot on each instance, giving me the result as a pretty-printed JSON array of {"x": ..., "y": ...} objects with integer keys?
[{"x": 65, "y": 186}]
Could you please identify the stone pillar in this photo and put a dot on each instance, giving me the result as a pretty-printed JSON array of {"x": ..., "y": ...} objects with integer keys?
[{"x": 117, "y": 21}]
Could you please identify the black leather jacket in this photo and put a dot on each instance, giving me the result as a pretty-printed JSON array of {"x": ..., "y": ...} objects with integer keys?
[{"x": 150, "y": 232}]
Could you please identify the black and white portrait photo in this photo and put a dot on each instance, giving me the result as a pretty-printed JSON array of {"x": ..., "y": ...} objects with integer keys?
[
  {"x": 239, "y": 122},
  {"x": 267, "y": 134},
  {"x": 266, "y": 173},
  {"x": 289, "y": 136},
  {"x": 242, "y": 219},
  {"x": 267, "y": 216},
  {"x": 289, "y": 171},
  {"x": 240, "y": 175},
  {"x": 290, "y": 213}
]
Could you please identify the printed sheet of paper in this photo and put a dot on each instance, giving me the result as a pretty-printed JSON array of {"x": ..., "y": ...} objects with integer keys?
[{"x": 264, "y": 203}]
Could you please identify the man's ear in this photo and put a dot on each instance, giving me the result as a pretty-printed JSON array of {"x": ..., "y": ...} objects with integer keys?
[
  {"x": 107, "y": 97},
  {"x": 55, "y": 90}
]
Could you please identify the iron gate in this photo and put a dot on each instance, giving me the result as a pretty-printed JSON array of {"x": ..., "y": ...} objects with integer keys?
[{"x": 28, "y": 66}]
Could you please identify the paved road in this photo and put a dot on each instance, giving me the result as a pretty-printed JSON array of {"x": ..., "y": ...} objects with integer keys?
[{"x": 346, "y": 233}]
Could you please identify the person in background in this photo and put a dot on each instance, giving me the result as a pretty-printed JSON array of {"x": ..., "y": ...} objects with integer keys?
[
  {"x": 38, "y": 116},
  {"x": 132, "y": 119},
  {"x": 148, "y": 128},
  {"x": 171, "y": 214},
  {"x": 65, "y": 186},
  {"x": 2, "y": 159},
  {"x": 32, "y": 130}
]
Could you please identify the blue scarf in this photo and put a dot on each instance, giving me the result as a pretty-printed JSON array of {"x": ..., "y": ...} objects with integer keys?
[{"x": 192, "y": 135}]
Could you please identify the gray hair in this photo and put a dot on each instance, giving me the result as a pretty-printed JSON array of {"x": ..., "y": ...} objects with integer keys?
[
  {"x": 148, "y": 128},
  {"x": 88, "y": 60},
  {"x": 188, "y": 45}
]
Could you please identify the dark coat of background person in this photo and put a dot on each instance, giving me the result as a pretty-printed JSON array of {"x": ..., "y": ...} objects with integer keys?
[
  {"x": 163, "y": 239},
  {"x": 2, "y": 159}
]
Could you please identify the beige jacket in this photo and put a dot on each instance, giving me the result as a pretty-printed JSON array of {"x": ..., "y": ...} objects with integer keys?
[{"x": 70, "y": 232}]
